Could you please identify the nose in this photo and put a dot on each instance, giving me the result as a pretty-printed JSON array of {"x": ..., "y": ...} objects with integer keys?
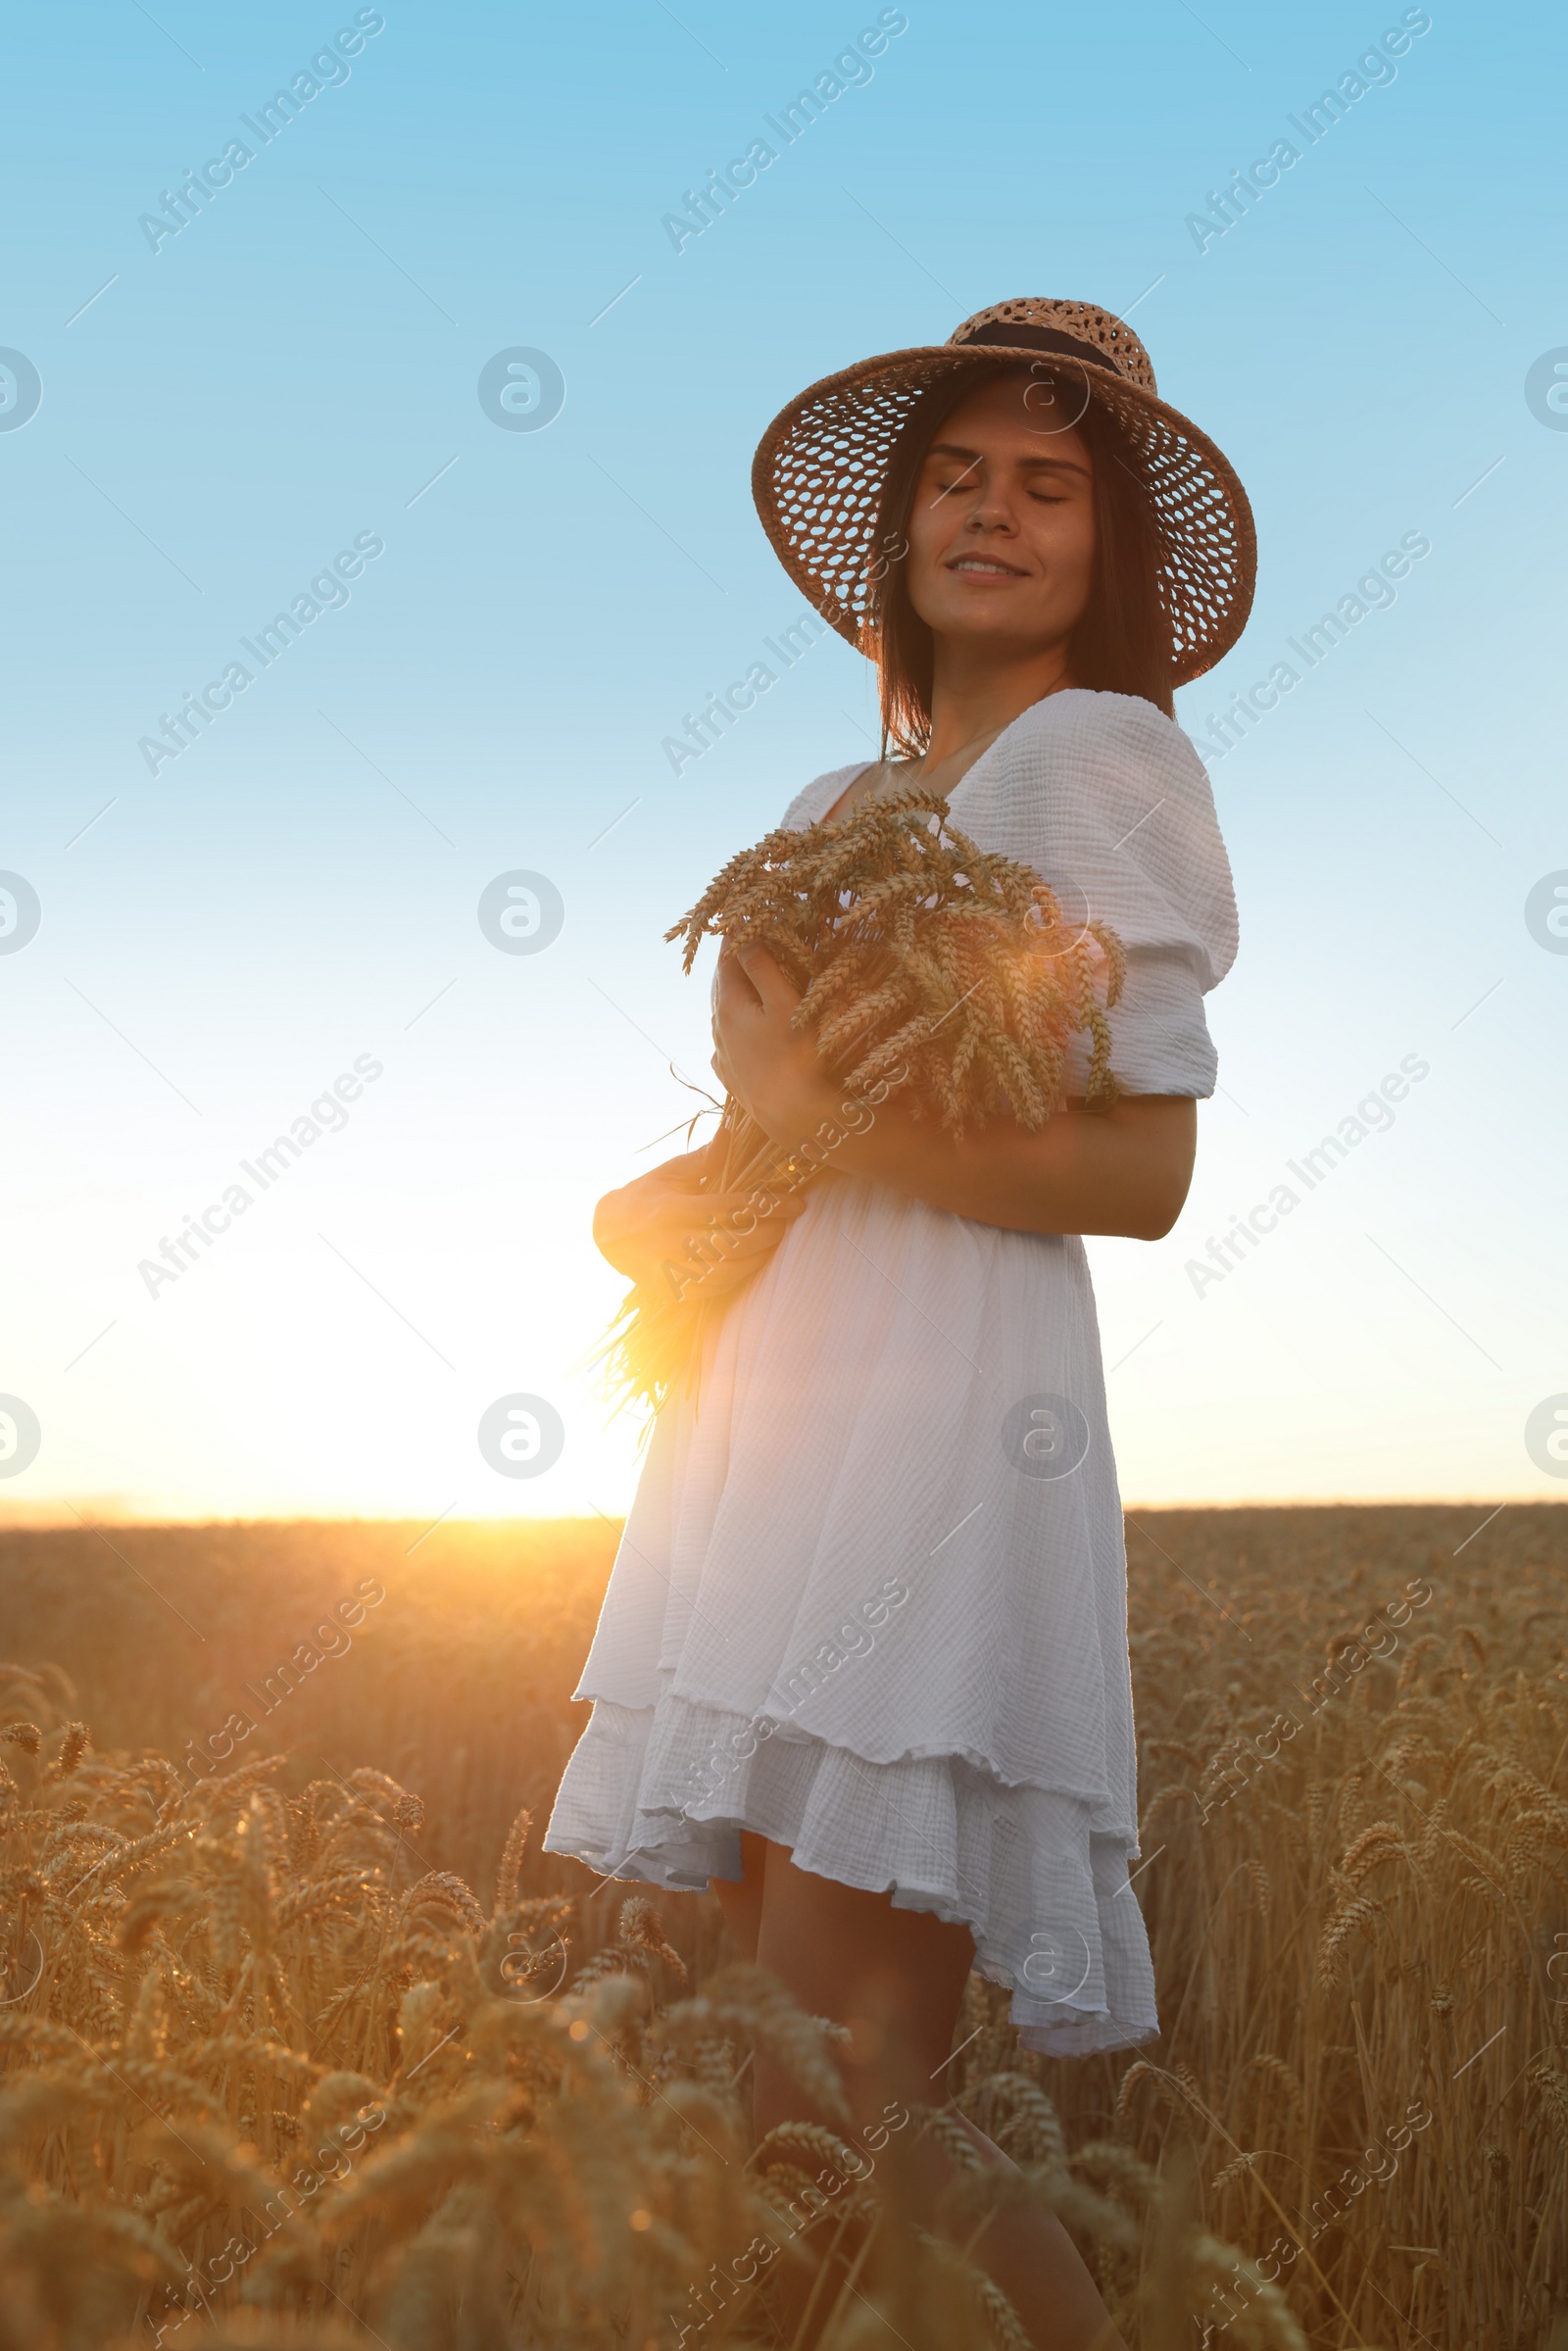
[{"x": 992, "y": 509}]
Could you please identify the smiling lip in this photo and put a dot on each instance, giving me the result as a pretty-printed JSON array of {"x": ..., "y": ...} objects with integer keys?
[{"x": 986, "y": 566}]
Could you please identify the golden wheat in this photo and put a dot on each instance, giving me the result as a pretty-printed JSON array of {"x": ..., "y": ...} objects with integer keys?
[{"x": 288, "y": 2057}]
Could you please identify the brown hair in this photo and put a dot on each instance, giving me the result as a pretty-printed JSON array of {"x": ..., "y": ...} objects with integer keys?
[{"x": 1122, "y": 645}]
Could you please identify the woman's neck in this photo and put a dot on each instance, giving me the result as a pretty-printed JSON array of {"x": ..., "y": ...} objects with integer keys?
[{"x": 975, "y": 694}]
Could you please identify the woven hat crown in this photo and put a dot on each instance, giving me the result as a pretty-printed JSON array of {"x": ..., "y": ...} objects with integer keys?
[{"x": 1074, "y": 321}]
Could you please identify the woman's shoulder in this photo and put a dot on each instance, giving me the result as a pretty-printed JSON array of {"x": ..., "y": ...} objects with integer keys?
[
  {"x": 814, "y": 800},
  {"x": 1097, "y": 759},
  {"x": 1102, "y": 731}
]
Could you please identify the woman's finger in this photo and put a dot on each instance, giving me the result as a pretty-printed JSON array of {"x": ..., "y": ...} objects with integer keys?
[
  {"x": 729, "y": 1242},
  {"x": 756, "y": 1198},
  {"x": 752, "y": 1237},
  {"x": 739, "y": 1224},
  {"x": 730, "y": 1273},
  {"x": 668, "y": 1222},
  {"x": 733, "y": 989},
  {"x": 752, "y": 986},
  {"x": 764, "y": 973}
]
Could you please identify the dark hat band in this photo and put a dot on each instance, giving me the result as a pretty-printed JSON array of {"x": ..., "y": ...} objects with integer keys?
[{"x": 1040, "y": 338}]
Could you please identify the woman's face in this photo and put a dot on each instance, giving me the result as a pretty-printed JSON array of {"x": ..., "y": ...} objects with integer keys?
[{"x": 1002, "y": 526}]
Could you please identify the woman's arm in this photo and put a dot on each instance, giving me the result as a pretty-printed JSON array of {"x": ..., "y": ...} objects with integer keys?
[{"x": 1124, "y": 1170}]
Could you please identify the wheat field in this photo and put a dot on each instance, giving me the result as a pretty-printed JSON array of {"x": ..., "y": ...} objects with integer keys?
[{"x": 304, "y": 2042}]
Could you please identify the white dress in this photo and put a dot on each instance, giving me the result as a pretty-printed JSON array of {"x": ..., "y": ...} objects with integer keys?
[{"x": 871, "y": 1598}]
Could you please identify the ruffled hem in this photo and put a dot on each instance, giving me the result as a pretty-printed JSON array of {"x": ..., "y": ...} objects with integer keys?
[{"x": 660, "y": 1795}]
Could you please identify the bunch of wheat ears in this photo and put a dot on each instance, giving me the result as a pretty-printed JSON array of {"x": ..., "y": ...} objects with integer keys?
[{"x": 925, "y": 963}]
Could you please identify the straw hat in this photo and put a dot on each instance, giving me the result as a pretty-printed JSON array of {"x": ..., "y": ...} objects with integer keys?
[{"x": 818, "y": 470}]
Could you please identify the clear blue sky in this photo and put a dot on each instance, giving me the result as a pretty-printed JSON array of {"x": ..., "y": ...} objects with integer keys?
[{"x": 296, "y": 370}]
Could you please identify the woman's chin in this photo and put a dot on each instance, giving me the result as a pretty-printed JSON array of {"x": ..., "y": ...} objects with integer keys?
[{"x": 988, "y": 617}]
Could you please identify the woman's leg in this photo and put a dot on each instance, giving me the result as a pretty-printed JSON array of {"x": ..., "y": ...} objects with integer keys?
[
  {"x": 896, "y": 1977},
  {"x": 741, "y": 1898}
]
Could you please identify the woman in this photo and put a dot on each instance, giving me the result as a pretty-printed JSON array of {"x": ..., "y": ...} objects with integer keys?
[{"x": 862, "y": 1665}]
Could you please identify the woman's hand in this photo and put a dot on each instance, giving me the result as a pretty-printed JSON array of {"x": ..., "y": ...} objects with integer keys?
[
  {"x": 661, "y": 1220},
  {"x": 777, "y": 1075}
]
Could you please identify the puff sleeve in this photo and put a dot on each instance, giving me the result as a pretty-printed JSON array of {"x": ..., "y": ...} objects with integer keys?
[{"x": 1106, "y": 799}]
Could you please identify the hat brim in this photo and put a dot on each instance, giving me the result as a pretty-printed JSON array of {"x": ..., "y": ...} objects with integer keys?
[{"x": 820, "y": 466}]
